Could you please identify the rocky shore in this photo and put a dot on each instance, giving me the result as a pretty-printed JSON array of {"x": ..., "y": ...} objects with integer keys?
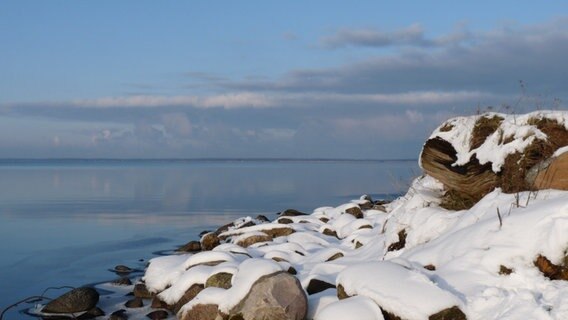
[{"x": 482, "y": 234}]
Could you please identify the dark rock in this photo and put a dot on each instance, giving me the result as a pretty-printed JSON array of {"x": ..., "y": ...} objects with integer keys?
[
  {"x": 91, "y": 314},
  {"x": 256, "y": 238},
  {"x": 158, "y": 315},
  {"x": 158, "y": 304},
  {"x": 76, "y": 300},
  {"x": 317, "y": 285},
  {"x": 122, "y": 282},
  {"x": 141, "y": 291},
  {"x": 453, "y": 313},
  {"x": 341, "y": 294},
  {"x": 122, "y": 269},
  {"x": 335, "y": 256},
  {"x": 246, "y": 225},
  {"x": 279, "y": 232},
  {"x": 219, "y": 280},
  {"x": 324, "y": 219},
  {"x": 134, "y": 303},
  {"x": 379, "y": 208},
  {"x": 366, "y": 205},
  {"x": 504, "y": 270},
  {"x": 355, "y": 211},
  {"x": 224, "y": 228},
  {"x": 291, "y": 213},
  {"x": 201, "y": 312},
  {"x": 262, "y": 218},
  {"x": 292, "y": 270},
  {"x": 366, "y": 226},
  {"x": 192, "y": 246},
  {"x": 209, "y": 241},
  {"x": 118, "y": 315},
  {"x": 329, "y": 232},
  {"x": 358, "y": 245},
  {"x": 400, "y": 243},
  {"x": 189, "y": 294},
  {"x": 285, "y": 221},
  {"x": 204, "y": 232},
  {"x": 275, "y": 296},
  {"x": 430, "y": 267}
]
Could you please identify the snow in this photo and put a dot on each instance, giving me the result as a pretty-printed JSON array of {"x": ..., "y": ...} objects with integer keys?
[
  {"x": 396, "y": 289},
  {"x": 360, "y": 308}
]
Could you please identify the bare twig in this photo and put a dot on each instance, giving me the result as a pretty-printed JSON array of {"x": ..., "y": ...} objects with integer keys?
[{"x": 500, "y": 219}]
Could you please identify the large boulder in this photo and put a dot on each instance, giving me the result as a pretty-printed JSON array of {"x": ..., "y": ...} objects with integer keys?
[
  {"x": 76, "y": 300},
  {"x": 277, "y": 296},
  {"x": 209, "y": 241},
  {"x": 474, "y": 155}
]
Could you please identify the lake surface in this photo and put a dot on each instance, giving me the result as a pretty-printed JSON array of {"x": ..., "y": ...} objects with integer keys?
[{"x": 67, "y": 222}]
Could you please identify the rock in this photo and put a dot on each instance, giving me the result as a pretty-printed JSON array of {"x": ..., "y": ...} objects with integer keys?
[
  {"x": 279, "y": 232},
  {"x": 355, "y": 211},
  {"x": 400, "y": 243},
  {"x": 335, "y": 257},
  {"x": 329, "y": 232},
  {"x": 292, "y": 270},
  {"x": 358, "y": 245},
  {"x": 118, "y": 315},
  {"x": 551, "y": 270},
  {"x": 219, "y": 280},
  {"x": 324, "y": 219},
  {"x": 134, "y": 303},
  {"x": 201, "y": 312},
  {"x": 504, "y": 270},
  {"x": 76, "y": 300},
  {"x": 285, "y": 221},
  {"x": 223, "y": 228},
  {"x": 158, "y": 315},
  {"x": 366, "y": 226},
  {"x": 430, "y": 267},
  {"x": 453, "y": 313},
  {"x": 247, "y": 224},
  {"x": 291, "y": 213},
  {"x": 204, "y": 232},
  {"x": 122, "y": 269},
  {"x": 255, "y": 238},
  {"x": 341, "y": 293},
  {"x": 209, "y": 241},
  {"x": 317, "y": 285},
  {"x": 366, "y": 197},
  {"x": 366, "y": 205},
  {"x": 158, "y": 304},
  {"x": 192, "y": 246},
  {"x": 122, "y": 282},
  {"x": 141, "y": 291},
  {"x": 91, "y": 314},
  {"x": 275, "y": 296},
  {"x": 550, "y": 174},
  {"x": 262, "y": 218},
  {"x": 189, "y": 294},
  {"x": 379, "y": 207}
]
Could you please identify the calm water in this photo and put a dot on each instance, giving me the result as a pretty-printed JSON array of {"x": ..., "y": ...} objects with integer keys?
[{"x": 68, "y": 222}]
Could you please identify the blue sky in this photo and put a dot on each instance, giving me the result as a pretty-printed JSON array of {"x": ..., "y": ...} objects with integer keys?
[{"x": 366, "y": 79}]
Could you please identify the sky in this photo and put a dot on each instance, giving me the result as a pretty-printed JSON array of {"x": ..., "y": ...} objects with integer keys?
[{"x": 267, "y": 79}]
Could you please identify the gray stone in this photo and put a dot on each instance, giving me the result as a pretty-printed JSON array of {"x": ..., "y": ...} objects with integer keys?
[
  {"x": 76, "y": 300},
  {"x": 278, "y": 296}
]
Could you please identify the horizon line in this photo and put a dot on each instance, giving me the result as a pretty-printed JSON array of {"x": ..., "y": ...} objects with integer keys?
[{"x": 207, "y": 159}]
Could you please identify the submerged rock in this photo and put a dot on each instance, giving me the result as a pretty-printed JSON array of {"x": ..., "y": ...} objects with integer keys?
[
  {"x": 141, "y": 291},
  {"x": 76, "y": 300},
  {"x": 192, "y": 246}
]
